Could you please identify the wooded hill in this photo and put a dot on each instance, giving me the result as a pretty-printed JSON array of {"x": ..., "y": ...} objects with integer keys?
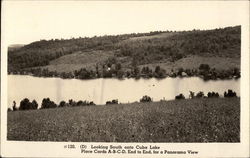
[{"x": 219, "y": 48}]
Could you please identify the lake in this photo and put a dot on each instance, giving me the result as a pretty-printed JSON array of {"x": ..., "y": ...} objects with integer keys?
[{"x": 102, "y": 90}]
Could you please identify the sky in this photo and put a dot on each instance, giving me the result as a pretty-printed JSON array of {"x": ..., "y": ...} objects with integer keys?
[{"x": 24, "y": 22}]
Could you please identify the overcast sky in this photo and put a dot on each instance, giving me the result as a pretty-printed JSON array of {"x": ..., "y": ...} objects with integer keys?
[{"x": 27, "y": 21}]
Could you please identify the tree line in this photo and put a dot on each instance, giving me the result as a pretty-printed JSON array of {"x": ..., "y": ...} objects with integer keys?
[
  {"x": 26, "y": 104},
  {"x": 115, "y": 69},
  {"x": 229, "y": 94}
]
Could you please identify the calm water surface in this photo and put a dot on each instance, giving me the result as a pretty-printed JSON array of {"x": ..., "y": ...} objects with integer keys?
[{"x": 102, "y": 90}]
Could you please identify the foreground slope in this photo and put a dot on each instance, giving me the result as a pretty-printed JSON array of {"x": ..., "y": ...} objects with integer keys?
[{"x": 191, "y": 120}]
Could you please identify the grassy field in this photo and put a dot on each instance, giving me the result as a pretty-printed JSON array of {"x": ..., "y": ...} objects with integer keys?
[
  {"x": 78, "y": 60},
  {"x": 194, "y": 120},
  {"x": 193, "y": 62}
]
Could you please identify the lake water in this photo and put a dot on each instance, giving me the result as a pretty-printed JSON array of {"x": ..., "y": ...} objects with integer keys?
[{"x": 102, "y": 90}]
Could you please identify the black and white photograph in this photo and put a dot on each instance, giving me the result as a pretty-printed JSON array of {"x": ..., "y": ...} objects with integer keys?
[{"x": 117, "y": 72}]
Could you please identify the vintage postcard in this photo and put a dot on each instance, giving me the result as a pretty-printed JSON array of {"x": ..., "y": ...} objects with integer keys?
[{"x": 125, "y": 79}]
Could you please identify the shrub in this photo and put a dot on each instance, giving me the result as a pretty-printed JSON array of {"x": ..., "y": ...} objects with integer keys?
[
  {"x": 230, "y": 93},
  {"x": 145, "y": 99},
  {"x": 191, "y": 94},
  {"x": 34, "y": 104},
  {"x": 200, "y": 95},
  {"x": 47, "y": 103},
  {"x": 180, "y": 96},
  {"x": 114, "y": 101},
  {"x": 14, "y": 106},
  {"x": 72, "y": 102},
  {"x": 80, "y": 102},
  {"x": 179, "y": 71},
  {"x": 159, "y": 72},
  {"x": 204, "y": 67},
  {"x": 25, "y": 104},
  {"x": 62, "y": 104},
  {"x": 92, "y": 103},
  {"x": 212, "y": 95}
]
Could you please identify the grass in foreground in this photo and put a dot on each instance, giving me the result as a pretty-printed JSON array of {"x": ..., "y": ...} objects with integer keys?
[{"x": 196, "y": 120}]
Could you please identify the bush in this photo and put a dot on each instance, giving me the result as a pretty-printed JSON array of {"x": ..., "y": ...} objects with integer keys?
[
  {"x": 114, "y": 101},
  {"x": 83, "y": 103},
  {"x": 62, "y": 104},
  {"x": 180, "y": 96},
  {"x": 34, "y": 104},
  {"x": 79, "y": 103},
  {"x": 179, "y": 71},
  {"x": 230, "y": 93},
  {"x": 72, "y": 102},
  {"x": 191, "y": 94},
  {"x": 204, "y": 67},
  {"x": 25, "y": 104},
  {"x": 145, "y": 99},
  {"x": 200, "y": 95},
  {"x": 14, "y": 106},
  {"x": 92, "y": 103},
  {"x": 47, "y": 103},
  {"x": 212, "y": 95}
]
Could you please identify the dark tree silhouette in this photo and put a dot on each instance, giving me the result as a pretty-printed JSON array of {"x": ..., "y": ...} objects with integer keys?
[
  {"x": 25, "y": 104},
  {"x": 180, "y": 96},
  {"x": 47, "y": 103},
  {"x": 146, "y": 99},
  {"x": 200, "y": 95},
  {"x": 62, "y": 104},
  {"x": 230, "y": 93},
  {"x": 14, "y": 106}
]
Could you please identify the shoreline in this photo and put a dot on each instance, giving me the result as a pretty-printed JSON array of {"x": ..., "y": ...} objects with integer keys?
[
  {"x": 136, "y": 78},
  {"x": 26, "y": 104}
]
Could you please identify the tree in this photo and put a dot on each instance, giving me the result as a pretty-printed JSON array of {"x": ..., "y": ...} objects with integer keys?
[
  {"x": 14, "y": 106},
  {"x": 230, "y": 93},
  {"x": 118, "y": 66},
  {"x": 136, "y": 71},
  {"x": 34, "y": 104},
  {"x": 146, "y": 99},
  {"x": 25, "y": 104},
  {"x": 120, "y": 74},
  {"x": 47, "y": 103},
  {"x": 204, "y": 67},
  {"x": 212, "y": 95},
  {"x": 91, "y": 103},
  {"x": 72, "y": 102},
  {"x": 191, "y": 94},
  {"x": 180, "y": 96},
  {"x": 180, "y": 70},
  {"x": 157, "y": 69},
  {"x": 114, "y": 101},
  {"x": 159, "y": 72},
  {"x": 200, "y": 94},
  {"x": 62, "y": 104}
]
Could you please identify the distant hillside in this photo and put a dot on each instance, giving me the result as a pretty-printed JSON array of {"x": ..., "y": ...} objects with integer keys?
[
  {"x": 164, "y": 48},
  {"x": 14, "y": 47}
]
